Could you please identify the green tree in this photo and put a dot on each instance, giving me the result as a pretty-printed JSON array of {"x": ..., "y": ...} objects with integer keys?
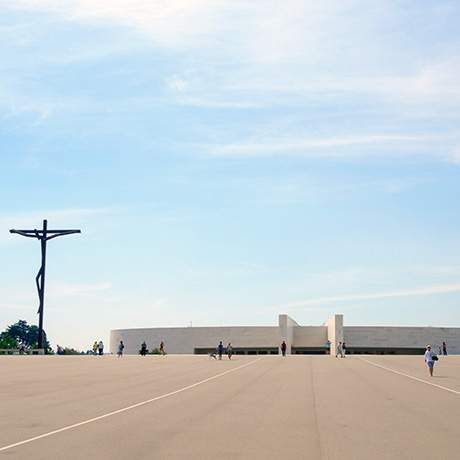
[
  {"x": 25, "y": 334},
  {"x": 32, "y": 337},
  {"x": 7, "y": 342},
  {"x": 19, "y": 331}
]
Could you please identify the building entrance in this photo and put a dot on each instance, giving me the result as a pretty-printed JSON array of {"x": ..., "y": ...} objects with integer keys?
[{"x": 240, "y": 351}]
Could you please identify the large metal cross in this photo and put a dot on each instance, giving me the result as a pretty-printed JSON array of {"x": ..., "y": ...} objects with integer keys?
[{"x": 43, "y": 236}]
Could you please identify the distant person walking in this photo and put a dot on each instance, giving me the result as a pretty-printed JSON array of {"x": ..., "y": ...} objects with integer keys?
[
  {"x": 344, "y": 349},
  {"x": 283, "y": 348},
  {"x": 444, "y": 348},
  {"x": 429, "y": 359},
  {"x": 95, "y": 348},
  {"x": 162, "y": 348},
  {"x": 143, "y": 350},
  {"x": 100, "y": 347},
  {"x": 121, "y": 347},
  {"x": 338, "y": 352},
  {"x": 229, "y": 350},
  {"x": 220, "y": 349}
]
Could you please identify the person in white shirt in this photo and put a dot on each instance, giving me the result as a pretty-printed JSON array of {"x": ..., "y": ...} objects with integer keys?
[{"x": 429, "y": 359}]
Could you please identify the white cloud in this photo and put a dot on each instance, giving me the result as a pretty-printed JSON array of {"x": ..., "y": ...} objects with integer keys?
[
  {"x": 424, "y": 291},
  {"x": 176, "y": 83},
  {"x": 177, "y": 24},
  {"x": 59, "y": 289},
  {"x": 41, "y": 113},
  {"x": 56, "y": 290},
  {"x": 455, "y": 155},
  {"x": 315, "y": 147},
  {"x": 240, "y": 54},
  {"x": 245, "y": 50}
]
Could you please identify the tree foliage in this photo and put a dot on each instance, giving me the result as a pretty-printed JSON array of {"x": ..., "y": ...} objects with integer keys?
[
  {"x": 22, "y": 333},
  {"x": 7, "y": 342}
]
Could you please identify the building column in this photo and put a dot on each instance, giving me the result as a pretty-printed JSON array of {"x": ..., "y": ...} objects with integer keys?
[
  {"x": 286, "y": 332},
  {"x": 334, "y": 332}
]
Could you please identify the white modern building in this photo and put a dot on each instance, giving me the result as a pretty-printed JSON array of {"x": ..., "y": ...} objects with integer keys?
[{"x": 299, "y": 339}]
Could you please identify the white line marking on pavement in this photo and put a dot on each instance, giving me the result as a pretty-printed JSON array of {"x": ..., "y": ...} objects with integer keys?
[
  {"x": 124, "y": 409},
  {"x": 411, "y": 377}
]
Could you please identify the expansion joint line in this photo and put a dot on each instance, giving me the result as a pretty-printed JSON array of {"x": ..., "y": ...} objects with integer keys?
[
  {"x": 125, "y": 409},
  {"x": 410, "y": 377}
]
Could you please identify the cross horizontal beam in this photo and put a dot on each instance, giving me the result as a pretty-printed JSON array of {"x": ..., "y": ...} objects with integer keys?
[
  {"x": 47, "y": 231},
  {"x": 43, "y": 234}
]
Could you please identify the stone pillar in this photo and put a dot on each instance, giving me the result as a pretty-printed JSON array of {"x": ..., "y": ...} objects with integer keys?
[
  {"x": 286, "y": 332},
  {"x": 334, "y": 332}
]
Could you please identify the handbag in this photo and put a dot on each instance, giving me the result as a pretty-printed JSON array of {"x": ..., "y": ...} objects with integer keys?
[{"x": 435, "y": 358}]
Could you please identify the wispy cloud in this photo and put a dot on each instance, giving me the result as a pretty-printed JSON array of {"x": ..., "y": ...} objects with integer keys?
[
  {"x": 324, "y": 301},
  {"x": 56, "y": 290},
  {"x": 455, "y": 155},
  {"x": 332, "y": 146},
  {"x": 64, "y": 290},
  {"x": 178, "y": 24},
  {"x": 256, "y": 37}
]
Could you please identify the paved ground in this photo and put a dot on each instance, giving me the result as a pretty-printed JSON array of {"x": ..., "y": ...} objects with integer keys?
[{"x": 300, "y": 407}]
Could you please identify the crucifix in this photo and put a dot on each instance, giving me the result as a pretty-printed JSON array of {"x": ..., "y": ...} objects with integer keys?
[{"x": 43, "y": 236}]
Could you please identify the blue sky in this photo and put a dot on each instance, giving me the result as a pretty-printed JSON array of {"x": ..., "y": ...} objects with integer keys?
[{"x": 228, "y": 161}]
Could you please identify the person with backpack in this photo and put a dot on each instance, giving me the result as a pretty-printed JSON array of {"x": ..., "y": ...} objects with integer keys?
[
  {"x": 430, "y": 358},
  {"x": 121, "y": 347}
]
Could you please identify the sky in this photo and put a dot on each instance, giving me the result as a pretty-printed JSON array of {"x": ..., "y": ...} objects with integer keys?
[{"x": 228, "y": 161}]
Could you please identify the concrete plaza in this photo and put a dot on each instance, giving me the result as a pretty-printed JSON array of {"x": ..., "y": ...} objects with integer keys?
[{"x": 193, "y": 407}]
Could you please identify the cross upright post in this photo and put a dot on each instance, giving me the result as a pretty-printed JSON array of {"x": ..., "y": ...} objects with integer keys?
[{"x": 43, "y": 236}]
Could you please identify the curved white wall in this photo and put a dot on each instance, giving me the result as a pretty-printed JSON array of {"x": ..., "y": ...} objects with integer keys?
[{"x": 186, "y": 339}]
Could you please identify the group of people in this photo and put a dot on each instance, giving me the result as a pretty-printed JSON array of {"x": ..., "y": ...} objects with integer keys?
[
  {"x": 98, "y": 348},
  {"x": 443, "y": 349},
  {"x": 220, "y": 351},
  {"x": 144, "y": 350},
  {"x": 431, "y": 357},
  {"x": 228, "y": 350}
]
